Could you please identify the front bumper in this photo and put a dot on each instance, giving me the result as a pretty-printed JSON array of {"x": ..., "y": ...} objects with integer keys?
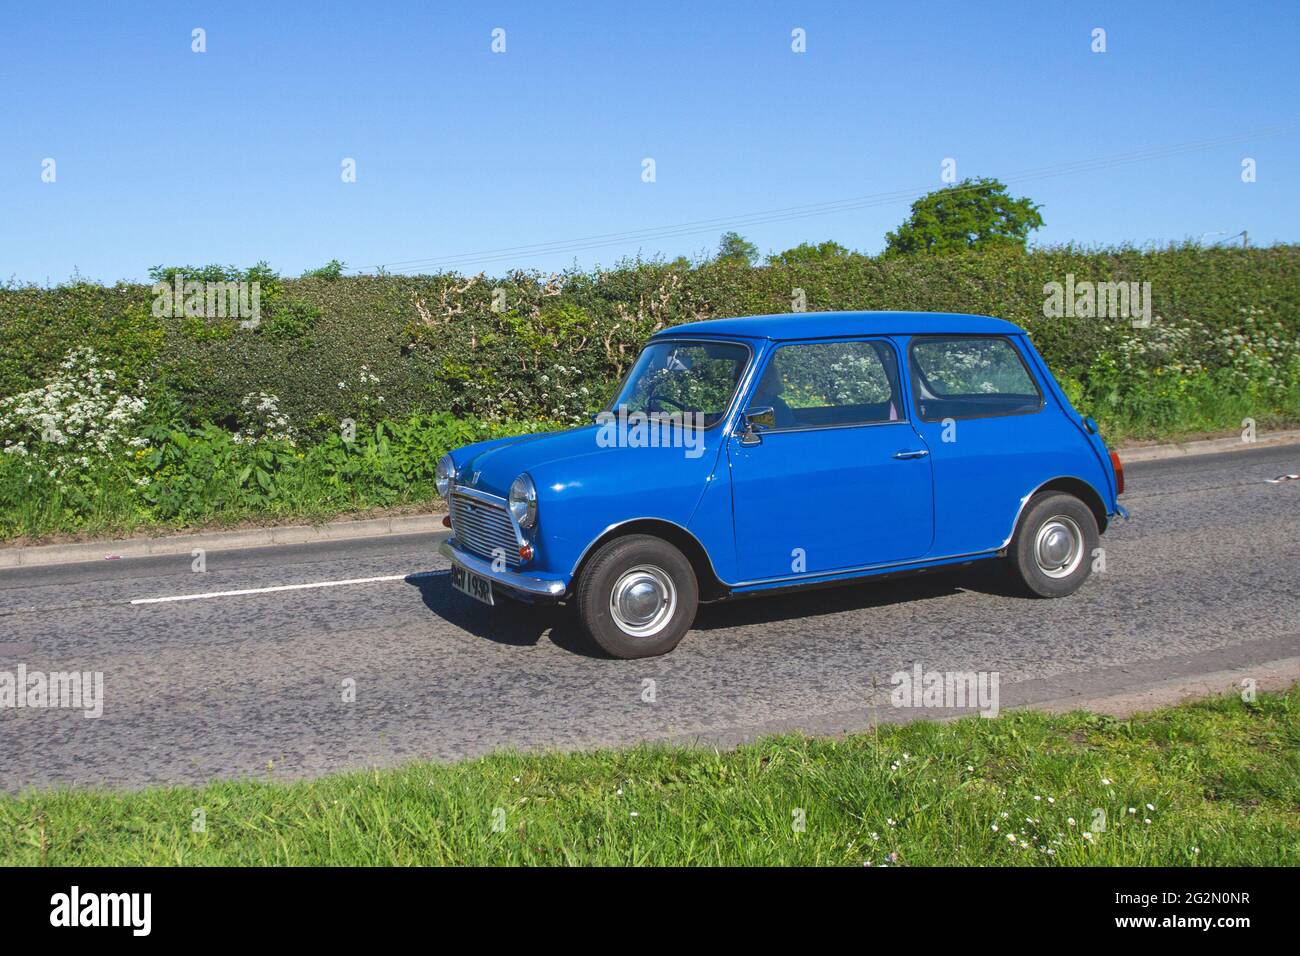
[{"x": 525, "y": 584}]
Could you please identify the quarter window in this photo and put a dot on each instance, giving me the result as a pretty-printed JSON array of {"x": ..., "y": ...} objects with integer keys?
[
  {"x": 971, "y": 377},
  {"x": 831, "y": 383}
]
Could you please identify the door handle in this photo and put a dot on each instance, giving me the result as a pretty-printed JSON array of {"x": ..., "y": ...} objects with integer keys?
[{"x": 919, "y": 453}]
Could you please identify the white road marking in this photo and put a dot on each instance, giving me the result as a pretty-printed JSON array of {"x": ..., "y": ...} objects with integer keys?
[{"x": 284, "y": 587}]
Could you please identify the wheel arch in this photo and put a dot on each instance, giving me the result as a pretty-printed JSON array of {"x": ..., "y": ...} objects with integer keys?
[
  {"x": 1072, "y": 486},
  {"x": 710, "y": 585}
]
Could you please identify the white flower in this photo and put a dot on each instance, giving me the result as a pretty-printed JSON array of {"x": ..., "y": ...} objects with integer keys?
[{"x": 72, "y": 416}]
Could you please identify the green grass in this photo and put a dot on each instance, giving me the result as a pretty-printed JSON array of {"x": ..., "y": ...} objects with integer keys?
[
  {"x": 1205, "y": 405},
  {"x": 1223, "y": 778},
  {"x": 106, "y": 506},
  {"x": 206, "y": 478}
]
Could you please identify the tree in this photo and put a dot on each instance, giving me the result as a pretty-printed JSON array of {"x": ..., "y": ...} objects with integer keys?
[
  {"x": 973, "y": 214},
  {"x": 733, "y": 247},
  {"x": 807, "y": 254}
]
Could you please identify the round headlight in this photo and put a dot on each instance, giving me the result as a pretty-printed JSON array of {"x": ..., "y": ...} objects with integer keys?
[
  {"x": 523, "y": 501},
  {"x": 444, "y": 474}
]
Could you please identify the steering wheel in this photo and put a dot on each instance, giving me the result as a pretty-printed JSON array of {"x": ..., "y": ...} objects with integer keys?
[{"x": 658, "y": 400}]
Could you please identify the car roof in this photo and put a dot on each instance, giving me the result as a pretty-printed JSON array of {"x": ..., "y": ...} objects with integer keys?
[{"x": 815, "y": 325}]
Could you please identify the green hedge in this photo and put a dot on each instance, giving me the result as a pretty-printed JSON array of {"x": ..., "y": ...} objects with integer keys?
[{"x": 371, "y": 347}]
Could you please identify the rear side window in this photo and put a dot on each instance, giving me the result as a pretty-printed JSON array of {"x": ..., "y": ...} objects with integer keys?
[
  {"x": 971, "y": 376},
  {"x": 823, "y": 384}
]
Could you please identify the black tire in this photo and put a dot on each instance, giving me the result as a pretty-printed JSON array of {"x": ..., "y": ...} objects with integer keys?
[
  {"x": 1051, "y": 553},
  {"x": 657, "y": 584}
]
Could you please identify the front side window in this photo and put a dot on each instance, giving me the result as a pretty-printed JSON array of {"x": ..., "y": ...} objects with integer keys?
[
  {"x": 819, "y": 384},
  {"x": 971, "y": 377},
  {"x": 688, "y": 378}
]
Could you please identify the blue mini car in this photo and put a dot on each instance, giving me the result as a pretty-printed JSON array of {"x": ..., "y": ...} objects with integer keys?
[{"x": 749, "y": 455}]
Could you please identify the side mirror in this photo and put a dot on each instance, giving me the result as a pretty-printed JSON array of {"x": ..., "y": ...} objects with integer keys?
[
  {"x": 757, "y": 417},
  {"x": 1091, "y": 425}
]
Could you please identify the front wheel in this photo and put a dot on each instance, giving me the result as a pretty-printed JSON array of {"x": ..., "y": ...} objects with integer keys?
[
  {"x": 637, "y": 597},
  {"x": 1051, "y": 552}
]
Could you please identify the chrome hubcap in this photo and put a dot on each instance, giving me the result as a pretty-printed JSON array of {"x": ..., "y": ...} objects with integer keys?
[
  {"x": 643, "y": 600},
  {"x": 1058, "y": 546}
]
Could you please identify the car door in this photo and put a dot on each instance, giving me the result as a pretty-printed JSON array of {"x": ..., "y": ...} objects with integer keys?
[
  {"x": 840, "y": 480},
  {"x": 984, "y": 419}
]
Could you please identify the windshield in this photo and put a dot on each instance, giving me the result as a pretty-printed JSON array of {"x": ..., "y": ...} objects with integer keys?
[{"x": 698, "y": 378}]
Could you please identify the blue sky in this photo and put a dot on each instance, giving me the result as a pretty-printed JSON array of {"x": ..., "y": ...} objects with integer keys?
[{"x": 165, "y": 156}]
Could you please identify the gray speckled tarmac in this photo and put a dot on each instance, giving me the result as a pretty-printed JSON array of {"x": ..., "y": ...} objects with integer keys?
[{"x": 1205, "y": 577}]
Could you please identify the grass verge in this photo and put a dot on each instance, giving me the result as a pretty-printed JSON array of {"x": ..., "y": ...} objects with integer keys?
[
  {"x": 107, "y": 504},
  {"x": 1209, "y": 783}
]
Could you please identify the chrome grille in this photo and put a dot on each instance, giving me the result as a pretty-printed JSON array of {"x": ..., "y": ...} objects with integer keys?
[{"x": 481, "y": 527}]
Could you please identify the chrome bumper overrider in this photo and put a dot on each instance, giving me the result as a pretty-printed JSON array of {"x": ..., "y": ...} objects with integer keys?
[{"x": 539, "y": 587}]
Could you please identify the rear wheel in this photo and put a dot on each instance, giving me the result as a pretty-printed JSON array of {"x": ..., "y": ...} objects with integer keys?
[
  {"x": 1051, "y": 553},
  {"x": 637, "y": 597}
]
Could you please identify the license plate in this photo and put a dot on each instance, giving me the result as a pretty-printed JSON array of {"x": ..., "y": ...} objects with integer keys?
[{"x": 475, "y": 585}]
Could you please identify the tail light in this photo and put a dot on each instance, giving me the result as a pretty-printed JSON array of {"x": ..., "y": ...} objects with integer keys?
[{"x": 1119, "y": 472}]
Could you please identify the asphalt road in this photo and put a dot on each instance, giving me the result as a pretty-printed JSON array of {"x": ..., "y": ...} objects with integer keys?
[{"x": 1204, "y": 577}]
